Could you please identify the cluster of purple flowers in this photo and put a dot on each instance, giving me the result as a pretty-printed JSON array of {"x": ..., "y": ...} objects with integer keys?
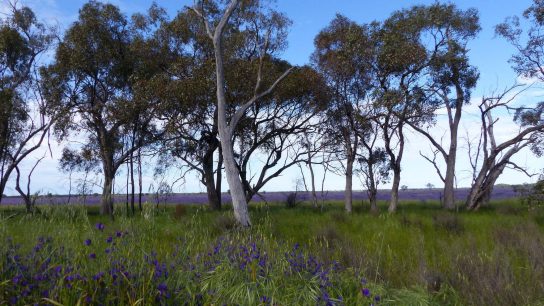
[
  {"x": 99, "y": 226},
  {"x": 247, "y": 257},
  {"x": 32, "y": 274},
  {"x": 367, "y": 293},
  {"x": 309, "y": 266},
  {"x": 250, "y": 258},
  {"x": 48, "y": 271},
  {"x": 160, "y": 269},
  {"x": 51, "y": 271}
]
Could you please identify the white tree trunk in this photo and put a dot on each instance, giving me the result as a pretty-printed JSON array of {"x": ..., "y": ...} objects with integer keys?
[
  {"x": 239, "y": 202},
  {"x": 312, "y": 178},
  {"x": 393, "y": 203},
  {"x": 449, "y": 178},
  {"x": 225, "y": 130},
  {"x": 449, "y": 188}
]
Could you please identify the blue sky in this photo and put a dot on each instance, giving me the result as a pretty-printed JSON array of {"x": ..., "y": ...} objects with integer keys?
[{"x": 489, "y": 53}]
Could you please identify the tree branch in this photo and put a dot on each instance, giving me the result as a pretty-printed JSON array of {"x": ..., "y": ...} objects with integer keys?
[
  {"x": 514, "y": 166},
  {"x": 242, "y": 109},
  {"x": 434, "y": 163}
]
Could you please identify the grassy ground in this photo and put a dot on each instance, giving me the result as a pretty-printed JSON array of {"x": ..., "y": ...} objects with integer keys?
[{"x": 419, "y": 256}]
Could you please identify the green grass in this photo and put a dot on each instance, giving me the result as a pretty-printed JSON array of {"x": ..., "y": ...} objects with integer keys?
[{"x": 419, "y": 256}]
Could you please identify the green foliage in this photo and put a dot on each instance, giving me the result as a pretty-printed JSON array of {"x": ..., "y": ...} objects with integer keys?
[
  {"x": 531, "y": 195},
  {"x": 528, "y": 59},
  {"x": 102, "y": 84},
  {"x": 251, "y": 44},
  {"x": 527, "y": 62},
  {"x": 95, "y": 50}
]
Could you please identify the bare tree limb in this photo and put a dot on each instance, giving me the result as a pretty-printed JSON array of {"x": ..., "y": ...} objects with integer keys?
[
  {"x": 434, "y": 163},
  {"x": 242, "y": 109}
]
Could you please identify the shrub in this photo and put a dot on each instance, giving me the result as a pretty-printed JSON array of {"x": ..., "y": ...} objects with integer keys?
[
  {"x": 536, "y": 196},
  {"x": 531, "y": 195},
  {"x": 291, "y": 200}
]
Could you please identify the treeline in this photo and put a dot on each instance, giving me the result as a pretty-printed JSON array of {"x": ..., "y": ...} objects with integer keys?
[{"x": 207, "y": 90}]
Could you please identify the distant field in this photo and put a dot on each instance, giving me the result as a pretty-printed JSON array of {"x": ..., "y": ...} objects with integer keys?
[{"x": 499, "y": 193}]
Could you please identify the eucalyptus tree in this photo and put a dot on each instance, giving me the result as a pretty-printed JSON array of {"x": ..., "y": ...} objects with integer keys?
[
  {"x": 268, "y": 127},
  {"x": 93, "y": 83},
  {"x": 445, "y": 32},
  {"x": 26, "y": 195},
  {"x": 269, "y": 36},
  {"x": 152, "y": 50},
  {"x": 313, "y": 143},
  {"x": 24, "y": 123},
  {"x": 270, "y": 137},
  {"x": 343, "y": 55},
  {"x": 373, "y": 161},
  {"x": 399, "y": 89},
  {"x": 528, "y": 61},
  {"x": 189, "y": 109},
  {"x": 493, "y": 157}
]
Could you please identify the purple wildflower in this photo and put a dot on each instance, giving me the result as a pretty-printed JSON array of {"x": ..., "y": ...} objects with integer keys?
[
  {"x": 109, "y": 239},
  {"x": 70, "y": 278},
  {"x": 88, "y": 242},
  {"x": 163, "y": 291},
  {"x": 17, "y": 279},
  {"x": 99, "y": 226},
  {"x": 162, "y": 287},
  {"x": 92, "y": 256},
  {"x": 98, "y": 276},
  {"x": 365, "y": 292}
]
